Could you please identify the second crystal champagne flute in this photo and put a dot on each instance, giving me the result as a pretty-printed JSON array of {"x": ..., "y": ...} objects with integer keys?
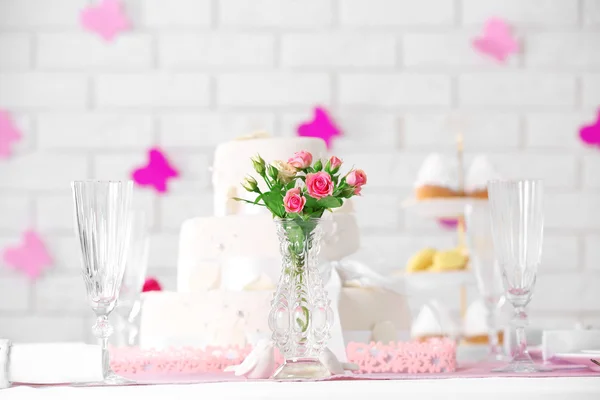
[
  {"x": 518, "y": 226},
  {"x": 487, "y": 270},
  {"x": 129, "y": 303}
]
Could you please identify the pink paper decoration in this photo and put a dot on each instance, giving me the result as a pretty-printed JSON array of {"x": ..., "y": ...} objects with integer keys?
[
  {"x": 180, "y": 360},
  {"x": 322, "y": 126},
  {"x": 156, "y": 173},
  {"x": 9, "y": 134},
  {"x": 431, "y": 356},
  {"x": 107, "y": 19},
  {"x": 30, "y": 257},
  {"x": 590, "y": 134},
  {"x": 449, "y": 224},
  {"x": 151, "y": 285},
  {"x": 496, "y": 41}
]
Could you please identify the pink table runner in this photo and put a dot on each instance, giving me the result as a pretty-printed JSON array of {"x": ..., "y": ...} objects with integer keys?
[{"x": 475, "y": 370}]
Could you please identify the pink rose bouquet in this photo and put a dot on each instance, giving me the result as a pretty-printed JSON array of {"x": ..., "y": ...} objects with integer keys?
[
  {"x": 300, "y": 188},
  {"x": 297, "y": 193}
]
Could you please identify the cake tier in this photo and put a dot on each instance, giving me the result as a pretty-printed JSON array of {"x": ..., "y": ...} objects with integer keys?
[
  {"x": 233, "y": 251},
  {"x": 226, "y": 318},
  {"x": 232, "y": 163}
]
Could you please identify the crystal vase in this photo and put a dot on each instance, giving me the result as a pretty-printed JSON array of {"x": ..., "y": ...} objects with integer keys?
[{"x": 300, "y": 316}]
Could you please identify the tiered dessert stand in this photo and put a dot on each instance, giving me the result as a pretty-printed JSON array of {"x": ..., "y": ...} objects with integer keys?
[{"x": 444, "y": 209}]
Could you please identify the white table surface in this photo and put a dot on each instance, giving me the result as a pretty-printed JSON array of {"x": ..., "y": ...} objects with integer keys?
[{"x": 423, "y": 389}]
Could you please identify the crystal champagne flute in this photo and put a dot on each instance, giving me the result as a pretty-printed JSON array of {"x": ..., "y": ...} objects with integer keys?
[
  {"x": 518, "y": 226},
  {"x": 102, "y": 216},
  {"x": 487, "y": 271}
]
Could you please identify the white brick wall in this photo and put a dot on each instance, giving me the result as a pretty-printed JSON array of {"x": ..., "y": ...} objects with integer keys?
[
  {"x": 344, "y": 49},
  {"x": 42, "y": 90},
  {"x": 396, "y": 13},
  {"x": 394, "y": 90},
  {"x": 273, "y": 89},
  {"x": 182, "y": 50},
  {"x": 399, "y": 76},
  {"x": 73, "y": 51}
]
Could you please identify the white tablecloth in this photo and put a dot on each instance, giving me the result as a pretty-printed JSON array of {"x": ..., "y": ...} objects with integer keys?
[{"x": 463, "y": 389}]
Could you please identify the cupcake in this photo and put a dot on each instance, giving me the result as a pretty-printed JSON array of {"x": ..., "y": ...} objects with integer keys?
[
  {"x": 449, "y": 260},
  {"x": 479, "y": 174},
  {"x": 475, "y": 329},
  {"x": 433, "y": 321},
  {"x": 421, "y": 261},
  {"x": 437, "y": 178}
]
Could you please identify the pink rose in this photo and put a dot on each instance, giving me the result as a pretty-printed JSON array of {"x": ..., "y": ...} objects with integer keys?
[
  {"x": 335, "y": 163},
  {"x": 356, "y": 177},
  {"x": 357, "y": 190},
  {"x": 293, "y": 201},
  {"x": 319, "y": 185},
  {"x": 301, "y": 159}
]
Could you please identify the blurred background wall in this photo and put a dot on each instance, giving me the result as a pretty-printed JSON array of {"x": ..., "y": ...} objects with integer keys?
[{"x": 394, "y": 74}]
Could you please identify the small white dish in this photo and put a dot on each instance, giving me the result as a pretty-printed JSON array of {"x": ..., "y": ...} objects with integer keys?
[
  {"x": 440, "y": 208},
  {"x": 587, "y": 360},
  {"x": 429, "y": 281}
]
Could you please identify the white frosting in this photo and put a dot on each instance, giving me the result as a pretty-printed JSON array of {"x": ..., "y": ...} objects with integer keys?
[
  {"x": 434, "y": 320},
  {"x": 480, "y": 172},
  {"x": 438, "y": 170},
  {"x": 215, "y": 317},
  {"x": 474, "y": 323},
  {"x": 247, "y": 243}
]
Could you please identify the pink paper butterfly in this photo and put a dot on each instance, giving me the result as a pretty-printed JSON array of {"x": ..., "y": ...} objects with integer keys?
[
  {"x": 31, "y": 257},
  {"x": 9, "y": 134},
  {"x": 497, "y": 41},
  {"x": 107, "y": 19},
  {"x": 156, "y": 173},
  {"x": 449, "y": 224},
  {"x": 152, "y": 285},
  {"x": 590, "y": 134},
  {"x": 322, "y": 126}
]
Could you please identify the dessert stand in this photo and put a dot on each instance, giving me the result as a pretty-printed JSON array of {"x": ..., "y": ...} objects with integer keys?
[{"x": 451, "y": 208}]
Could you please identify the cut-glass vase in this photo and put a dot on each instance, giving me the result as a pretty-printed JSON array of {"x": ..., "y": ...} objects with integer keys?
[{"x": 300, "y": 316}]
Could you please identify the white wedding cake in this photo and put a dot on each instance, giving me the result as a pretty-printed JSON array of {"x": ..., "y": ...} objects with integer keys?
[{"x": 229, "y": 264}]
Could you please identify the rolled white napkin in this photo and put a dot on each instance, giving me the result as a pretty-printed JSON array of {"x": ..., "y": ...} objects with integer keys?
[
  {"x": 569, "y": 341},
  {"x": 50, "y": 363},
  {"x": 4, "y": 348}
]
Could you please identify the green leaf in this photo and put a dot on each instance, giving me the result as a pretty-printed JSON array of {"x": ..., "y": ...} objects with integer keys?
[
  {"x": 318, "y": 166},
  {"x": 290, "y": 185},
  {"x": 330, "y": 202},
  {"x": 317, "y": 214},
  {"x": 248, "y": 201},
  {"x": 259, "y": 198},
  {"x": 311, "y": 202},
  {"x": 274, "y": 202}
]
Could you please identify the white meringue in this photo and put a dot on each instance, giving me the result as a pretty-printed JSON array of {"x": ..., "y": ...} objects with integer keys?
[
  {"x": 434, "y": 320},
  {"x": 480, "y": 172},
  {"x": 438, "y": 170}
]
